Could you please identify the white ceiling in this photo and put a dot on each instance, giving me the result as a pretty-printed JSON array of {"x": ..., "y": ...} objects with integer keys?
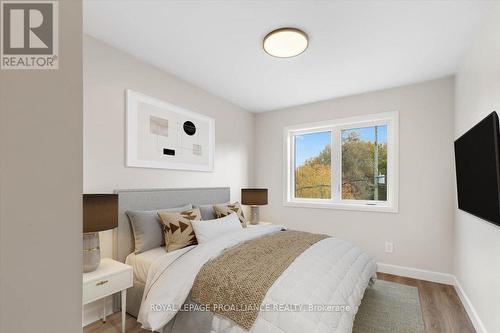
[{"x": 355, "y": 46}]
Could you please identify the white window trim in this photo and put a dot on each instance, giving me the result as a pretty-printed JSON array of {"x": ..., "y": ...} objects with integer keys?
[{"x": 335, "y": 126}]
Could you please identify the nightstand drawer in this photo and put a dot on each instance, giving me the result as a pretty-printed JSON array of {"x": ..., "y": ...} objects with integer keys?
[{"x": 107, "y": 285}]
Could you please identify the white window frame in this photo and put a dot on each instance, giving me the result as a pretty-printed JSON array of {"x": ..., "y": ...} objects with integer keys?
[{"x": 391, "y": 119}]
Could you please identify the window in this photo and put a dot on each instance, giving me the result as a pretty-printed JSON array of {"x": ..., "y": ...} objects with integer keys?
[
  {"x": 313, "y": 167},
  {"x": 346, "y": 163},
  {"x": 364, "y": 163}
]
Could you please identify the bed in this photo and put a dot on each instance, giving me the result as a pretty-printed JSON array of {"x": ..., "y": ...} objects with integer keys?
[
  {"x": 150, "y": 199},
  {"x": 141, "y": 264},
  {"x": 318, "y": 291}
]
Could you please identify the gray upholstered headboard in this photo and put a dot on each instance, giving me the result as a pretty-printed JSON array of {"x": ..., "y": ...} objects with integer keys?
[{"x": 149, "y": 199}]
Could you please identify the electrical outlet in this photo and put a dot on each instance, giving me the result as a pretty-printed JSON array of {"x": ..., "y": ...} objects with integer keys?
[{"x": 389, "y": 247}]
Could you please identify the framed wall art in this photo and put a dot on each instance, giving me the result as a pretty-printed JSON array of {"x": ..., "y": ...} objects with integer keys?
[{"x": 165, "y": 136}]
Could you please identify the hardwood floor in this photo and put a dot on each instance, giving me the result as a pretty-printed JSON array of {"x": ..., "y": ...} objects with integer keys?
[
  {"x": 441, "y": 308},
  {"x": 113, "y": 325}
]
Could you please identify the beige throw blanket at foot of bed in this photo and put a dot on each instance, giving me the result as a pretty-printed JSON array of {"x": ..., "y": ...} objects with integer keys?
[{"x": 235, "y": 283}]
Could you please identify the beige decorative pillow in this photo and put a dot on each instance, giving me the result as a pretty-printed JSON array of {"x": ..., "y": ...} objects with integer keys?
[
  {"x": 226, "y": 209},
  {"x": 177, "y": 228}
]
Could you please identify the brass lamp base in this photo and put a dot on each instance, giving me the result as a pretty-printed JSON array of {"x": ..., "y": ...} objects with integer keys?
[{"x": 91, "y": 252}]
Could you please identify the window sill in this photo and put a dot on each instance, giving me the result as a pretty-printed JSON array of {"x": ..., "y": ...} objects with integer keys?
[{"x": 387, "y": 208}]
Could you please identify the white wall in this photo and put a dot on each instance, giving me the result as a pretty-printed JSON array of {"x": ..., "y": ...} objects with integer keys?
[
  {"x": 41, "y": 189},
  {"x": 108, "y": 72},
  {"x": 477, "y": 243},
  {"x": 422, "y": 230}
]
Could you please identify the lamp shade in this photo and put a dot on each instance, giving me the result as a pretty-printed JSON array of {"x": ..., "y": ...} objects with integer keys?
[
  {"x": 100, "y": 212},
  {"x": 254, "y": 196}
]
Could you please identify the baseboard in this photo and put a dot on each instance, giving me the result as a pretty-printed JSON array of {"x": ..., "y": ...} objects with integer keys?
[
  {"x": 471, "y": 311},
  {"x": 417, "y": 273},
  {"x": 437, "y": 277}
]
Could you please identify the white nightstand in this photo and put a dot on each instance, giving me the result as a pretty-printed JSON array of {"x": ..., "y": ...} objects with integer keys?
[
  {"x": 111, "y": 277},
  {"x": 257, "y": 225}
]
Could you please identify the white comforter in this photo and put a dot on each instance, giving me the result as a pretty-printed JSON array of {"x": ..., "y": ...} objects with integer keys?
[{"x": 331, "y": 272}]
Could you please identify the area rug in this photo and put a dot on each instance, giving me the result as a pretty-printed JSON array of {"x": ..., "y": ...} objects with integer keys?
[{"x": 389, "y": 307}]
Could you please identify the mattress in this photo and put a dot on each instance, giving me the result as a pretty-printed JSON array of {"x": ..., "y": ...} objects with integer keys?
[{"x": 142, "y": 262}]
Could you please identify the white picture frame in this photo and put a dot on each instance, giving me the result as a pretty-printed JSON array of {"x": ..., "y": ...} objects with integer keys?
[{"x": 162, "y": 135}]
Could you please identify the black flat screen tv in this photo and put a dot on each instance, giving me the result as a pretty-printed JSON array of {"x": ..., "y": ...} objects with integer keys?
[{"x": 478, "y": 170}]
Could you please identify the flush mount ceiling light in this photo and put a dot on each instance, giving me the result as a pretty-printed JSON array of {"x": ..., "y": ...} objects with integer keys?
[{"x": 285, "y": 42}]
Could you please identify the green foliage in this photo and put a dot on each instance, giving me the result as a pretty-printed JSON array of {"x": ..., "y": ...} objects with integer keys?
[
  {"x": 313, "y": 178},
  {"x": 324, "y": 157},
  {"x": 358, "y": 168}
]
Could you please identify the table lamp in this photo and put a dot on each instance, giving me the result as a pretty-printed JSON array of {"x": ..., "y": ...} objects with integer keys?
[
  {"x": 100, "y": 212},
  {"x": 254, "y": 197}
]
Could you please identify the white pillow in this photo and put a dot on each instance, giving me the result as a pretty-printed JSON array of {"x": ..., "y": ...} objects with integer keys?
[{"x": 206, "y": 230}]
